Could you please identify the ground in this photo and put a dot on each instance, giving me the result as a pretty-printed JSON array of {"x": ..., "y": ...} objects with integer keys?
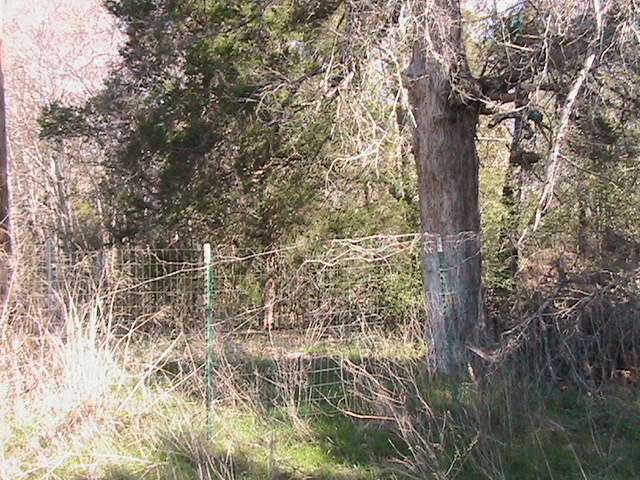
[{"x": 151, "y": 422}]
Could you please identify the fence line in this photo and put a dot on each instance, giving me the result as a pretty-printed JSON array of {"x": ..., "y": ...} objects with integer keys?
[{"x": 300, "y": 312}]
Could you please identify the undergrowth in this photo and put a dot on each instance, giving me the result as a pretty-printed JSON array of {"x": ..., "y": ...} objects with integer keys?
[{"x": 83, "y": 404}]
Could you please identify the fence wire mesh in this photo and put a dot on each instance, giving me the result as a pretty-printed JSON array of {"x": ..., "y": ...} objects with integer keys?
[{"x": 289, "y": 324}]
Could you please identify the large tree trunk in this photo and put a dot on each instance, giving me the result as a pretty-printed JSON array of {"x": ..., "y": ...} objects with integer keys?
[{"x": 447, "y": 165}]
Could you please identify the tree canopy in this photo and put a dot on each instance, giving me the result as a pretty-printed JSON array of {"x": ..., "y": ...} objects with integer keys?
[{"x": 216, "y": 117}]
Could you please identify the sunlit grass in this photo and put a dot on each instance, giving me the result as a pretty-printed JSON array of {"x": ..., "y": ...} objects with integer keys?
[{"x": 85, "y": 405}]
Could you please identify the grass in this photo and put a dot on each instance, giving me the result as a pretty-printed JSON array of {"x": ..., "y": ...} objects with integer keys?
[
  {"x": 571, "y": 435},
  {"x": 319, "y": 451},
  {"x": 160, "y": 435},
  {"x": 167, "y": 439},
  {"x": 102, "y": 409},
  {"x": 145, "y": 422},
  {"x": 379, "y": 348}
]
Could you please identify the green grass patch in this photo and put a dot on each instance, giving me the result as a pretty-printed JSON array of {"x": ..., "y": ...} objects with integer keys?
[{"x": 146, "y": 427}]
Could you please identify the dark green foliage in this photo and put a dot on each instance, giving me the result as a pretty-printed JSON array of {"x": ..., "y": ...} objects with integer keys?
[
  {"x": 58, "y": 120},
  {"x": 213, "y": 122},
  {"x": 601, "y": 191}
]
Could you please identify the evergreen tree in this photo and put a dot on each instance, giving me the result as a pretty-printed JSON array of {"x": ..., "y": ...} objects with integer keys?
[{"x": 216, "y": 121}]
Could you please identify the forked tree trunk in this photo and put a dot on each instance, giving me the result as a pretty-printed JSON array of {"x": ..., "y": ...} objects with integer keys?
[{"x": 447, "y": 165}]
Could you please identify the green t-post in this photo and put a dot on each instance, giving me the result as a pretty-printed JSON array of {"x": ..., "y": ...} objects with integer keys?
[{"x": 210, "y": 333}]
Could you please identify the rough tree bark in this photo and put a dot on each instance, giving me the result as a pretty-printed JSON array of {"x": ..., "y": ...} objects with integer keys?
[{"x": 447, "y": 166}]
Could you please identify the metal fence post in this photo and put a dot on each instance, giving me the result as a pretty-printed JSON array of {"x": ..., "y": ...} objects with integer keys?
[
  {"x": 210, "y": 332},
  {"x": 52, "y": 278},
  {"x": 444, "y": 280},
  {"x": 446, "y": 296}
]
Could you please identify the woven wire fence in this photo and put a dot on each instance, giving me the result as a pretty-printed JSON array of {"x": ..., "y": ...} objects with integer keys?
[
  {"x": 312, "y": 316},
  {"x": 136, "y": 288},
  {"x": 287, "y": 325}
]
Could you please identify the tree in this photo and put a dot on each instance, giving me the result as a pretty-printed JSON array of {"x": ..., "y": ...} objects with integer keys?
[
  {"x": 531, "y": 64},
  {"x": 212, "y": 125},
  {"x": 5, "y": 196},
  {"x": 447, "y": 165},
  {"x": 5, "y": 193},
  {"x": 65, "y": 57}
]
